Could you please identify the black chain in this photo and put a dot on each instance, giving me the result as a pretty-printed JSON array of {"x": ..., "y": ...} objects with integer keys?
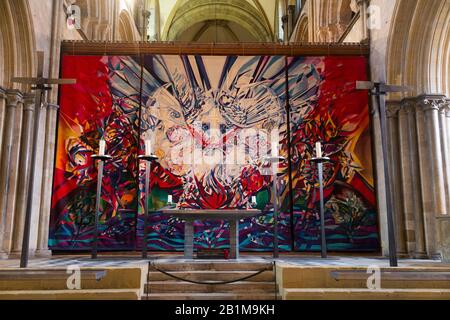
[{"x": 151, "y": 266}]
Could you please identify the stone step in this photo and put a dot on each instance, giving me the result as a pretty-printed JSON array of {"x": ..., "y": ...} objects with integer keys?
[
  {"x": 105, "y": 294},
  {"x": 212, "y": 275},
  {"x": 209, "y": 296},
  {"x": 365, "y": 294},
  {"x": 185, "y": 287},
  {"x": 218, "y": 265},
  {"x": 56, "y": 279},
  {"x": 304, "y": 277}
]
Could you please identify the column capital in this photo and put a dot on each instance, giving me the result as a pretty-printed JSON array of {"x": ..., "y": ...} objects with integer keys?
[
  {"x": 447, "y": 108},
  {"x": 409, "y": 105},
  {"x": 29, "y": 101},
  {"x": 52, "y": 106},
  {"x": 13, "y": 97},
  {"x": 392, "y": 109},
  {"x": 430, "y": 102}
]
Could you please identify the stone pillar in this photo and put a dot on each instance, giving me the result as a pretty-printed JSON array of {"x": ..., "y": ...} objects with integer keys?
[
  {"x": 444, "y": 237},
  {"x": 47, "y": 181},
  {"x": 431, "y": 169},
  {"x": 363, "y": 14},
  {"x": 445, "y": 149},
  {"x": 38, "y": 171},
  {"x": 379, "y": 167},
  {"x": 2, "y": 116},
  {"x": 24, "y": 173},
  {"x": 413, "y": 197},
  {"x": 395, "y": 173},
  {"x": 9, "y": 168}
]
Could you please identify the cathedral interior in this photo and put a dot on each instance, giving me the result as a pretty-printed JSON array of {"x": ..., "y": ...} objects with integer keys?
[{"x": 150, "y": 73}]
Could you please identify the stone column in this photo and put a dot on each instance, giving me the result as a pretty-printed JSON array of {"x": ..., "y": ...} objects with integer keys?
[
  {"x": 38, "y": 171},
  {"x": 413, "y": 197},
  {"x": 9, "y": 168},
  {"x": 24, "y": 173},
  {"x": 395, "y": 173},
  {"x": 445, "y": 149},
  {"x": 405, "y": 171},
  {"x": 47, "y": 181},
  {"x": 381, "y": 185},
  {"x": 363, "y": 14},
  {"x": 431, "y": 169},
  {"x": 2, "y": 116}
]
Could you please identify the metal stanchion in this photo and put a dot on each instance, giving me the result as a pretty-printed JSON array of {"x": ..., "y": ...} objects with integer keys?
[
  {"x": 148, "y": 162},
  {"x": 101, "y": 158},
  {"x": 320, "y": 160},
  {"x": 274, "y": 161}
]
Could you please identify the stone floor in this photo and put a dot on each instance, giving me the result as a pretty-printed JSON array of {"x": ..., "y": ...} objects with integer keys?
[{"x": 125, "y": 260}]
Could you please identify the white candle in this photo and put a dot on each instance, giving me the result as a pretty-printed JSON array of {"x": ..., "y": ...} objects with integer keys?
[
  {"x": 253, "y": 199},
  {"x": 318, "y": 149},
  {"x": 275, "y": 149},
  {"x": 148, "y": 147},
  {"x": 102, "y": 146},
  {"x": 169, "y": 198}
]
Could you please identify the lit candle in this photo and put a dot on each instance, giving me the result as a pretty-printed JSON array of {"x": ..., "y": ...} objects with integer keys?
[
  {"x": 148, "y": 147},
  {"x": 253, "y": 199},
  {"x": 169, "y": 198},
  {"x": 102, "y": 146},
  {"x": 318, "y": 149}
]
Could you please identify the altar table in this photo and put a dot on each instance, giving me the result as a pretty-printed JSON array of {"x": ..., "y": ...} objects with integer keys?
[{"x": 231, "y": 215}]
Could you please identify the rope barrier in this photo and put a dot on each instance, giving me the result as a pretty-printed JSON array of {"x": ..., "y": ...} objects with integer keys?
[{"x": 153, "y": 267}]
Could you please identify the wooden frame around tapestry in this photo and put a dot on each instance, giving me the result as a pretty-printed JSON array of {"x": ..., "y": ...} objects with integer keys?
[{"x": 244, "y": 49}]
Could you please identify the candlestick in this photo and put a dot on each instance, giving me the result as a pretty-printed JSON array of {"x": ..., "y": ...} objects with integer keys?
[
  {"x": 254, "y": 200},
  {"x": 102, "y": 146},
  {"x": 169, "y": 198},
  {"x": 318, "y": 149},
  {"x": 148, "y": 147}
]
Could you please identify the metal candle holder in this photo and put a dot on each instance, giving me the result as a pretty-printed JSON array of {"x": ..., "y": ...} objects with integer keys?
[
  {"x": 320, "y": 161},
  {"x": 274, "y": 161},
  {"x": 148, "y": 161},
  {"x": 101, "y": 160}
]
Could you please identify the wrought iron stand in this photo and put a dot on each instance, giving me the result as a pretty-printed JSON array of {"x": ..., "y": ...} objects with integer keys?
[
  {"x": 101, "y": 160},
  {"x": 148, "y": 162},
  {"x": 323, "y": 239},
  {"x": 274, "y": 161}
]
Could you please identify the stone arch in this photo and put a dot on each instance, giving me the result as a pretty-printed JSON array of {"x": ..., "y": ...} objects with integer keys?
[
  {"x": 17, "y": 55},
  {"x": 302, "y": 29},
  {"x": 127, "y": 28},
  {"x": 96, "y": 18},
  {"x": 186, "y": 14},
  {"x": 418, "y": 47},
  {"x": 334, "y": 17}
]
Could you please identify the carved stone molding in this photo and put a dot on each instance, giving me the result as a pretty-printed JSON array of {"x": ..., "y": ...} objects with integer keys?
[
  {"x": 392, "y": 109},
  {"x": 29, "y": 102},
  {"x": 430, "y": 102},
  {"x": 52, "y": 106},
  {"x": 408, "y": 105},
  {"x": 13, "y": 97}
]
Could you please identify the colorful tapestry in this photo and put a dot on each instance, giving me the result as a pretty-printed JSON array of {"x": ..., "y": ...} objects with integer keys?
[{"x": 213, "y": 121}]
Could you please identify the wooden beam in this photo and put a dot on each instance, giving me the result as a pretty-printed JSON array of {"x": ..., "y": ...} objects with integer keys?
[{"x": 241, "y": 49}]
